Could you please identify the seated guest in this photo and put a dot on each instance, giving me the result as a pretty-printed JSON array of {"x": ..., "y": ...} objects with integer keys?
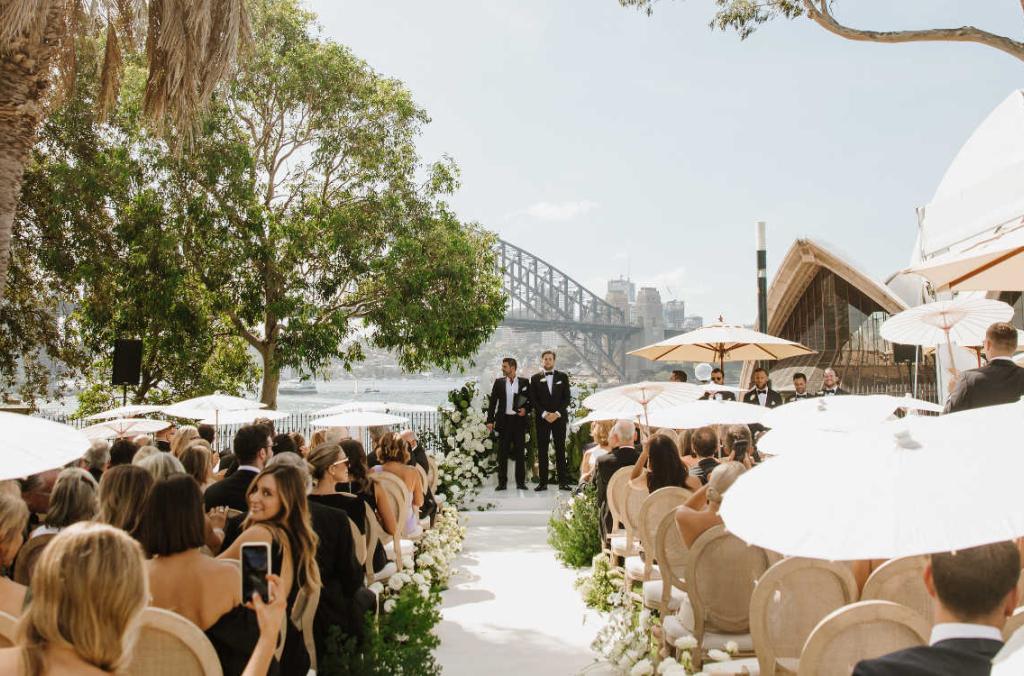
[
  {"x": 197, "y": 460},
  {"x": 143, "y": 453},
  {"x": 185, "y": 435},
  {"x": 738, "y": 438},
  {"x": 393, "y": 453},
  {"x": 207, "y": 433},
  {"x": 164, "y": 436},
  {"x": 73, "y": 499},
  {"x": 1000, "y": 381},
  {"x": 279, "y": 515},
  {"x": 599, "y": 433},
  {"x": 376, "y": 434},
  {"x": 974, "y": 591},
  {"x": 300, "y": 443},
  {"x": 418, "y": 457},
  {"x": 700, "y": 513},
  {"x": 88, "y": 592},
  {"x": 96, "y": 458},
  {"x": 123, "y": 493},
  {"x": 704, "y": 442},
  {"x": 369, "y": 493},
  {"x": 13, "y": 518},
  {"x": 800, "y": 387},
  {"x": 660, "y": 465},
  {"x": 252, "y": 449},
  {"x": 161, "y": 465},
  {"x": 623, "y": 454},
  {"x": 122, "y": 451},
  {"x": 182, "y": 579},
  {"x": 690, "y": 459},
  {"x": 335, "y": 435},
  {"x": 283, "y": 443}
]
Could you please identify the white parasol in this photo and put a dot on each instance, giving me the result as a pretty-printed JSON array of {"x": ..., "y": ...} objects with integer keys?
[
  {"x": 210, "y": 405},
  {"x": 244, "y": 417},
  {"x": 962, "y": 321},
  {"x": 885, "y": 490},
  {"x": 359, "y": 419},
  {"x": 377, "y": 406},
  {"x": 721, "y": 342},
  {"x": 708, "y": 412},
  {"x": 640, "y": 399},
  {"x": 120, "y": 427},
  {"x": 30, "y": 445},
  {"x": 129, "y": 411},
  {"x": 994, "y": 263}
]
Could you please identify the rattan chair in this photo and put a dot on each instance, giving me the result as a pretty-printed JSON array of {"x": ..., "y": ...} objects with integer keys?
[
  {"x": 358, "y": 541},
  {"x": 8, "y": 629},
  {"x": 652, "y": 510},
  {"x": 1013, "y": 623},
  {"x": 901, "y": 581},
  {"x": 615, "y": 496},
  {"x": 670, "y": 550},
  {"x": 860, "y": 631},
  {"x": 395, "y": 544},
  {"x": 789, "y": 601},
  {"x": 375, "y": 534},
  {"x": 721, "y": 571},
  {"x": 28, "y": 555},
  {"x": 170, "y": 645},
  {"x": 432, "y": 480}
]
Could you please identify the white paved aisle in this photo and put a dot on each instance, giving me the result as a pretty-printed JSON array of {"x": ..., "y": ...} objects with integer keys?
[{"x": 511, "y": 607}]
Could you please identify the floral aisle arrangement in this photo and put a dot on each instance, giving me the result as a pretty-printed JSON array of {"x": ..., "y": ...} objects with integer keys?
[
  {"x": 602, "y": 587},
  {"x": 573, "y": 529},
  {"x": 399, "y": 638},
  {"x": 463, "y": 449}
]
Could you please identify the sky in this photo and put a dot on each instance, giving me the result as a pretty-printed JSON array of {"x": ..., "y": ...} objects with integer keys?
[{"x": 607, "y": 142}]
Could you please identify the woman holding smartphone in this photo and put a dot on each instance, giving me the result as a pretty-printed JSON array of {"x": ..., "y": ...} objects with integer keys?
[
  {"x": 660, "y": 465},
  {"x": 279, "y": 516}
]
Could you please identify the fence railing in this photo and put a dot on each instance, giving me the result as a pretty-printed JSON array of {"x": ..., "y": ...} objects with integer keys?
[{"x": 296, "y": 422}]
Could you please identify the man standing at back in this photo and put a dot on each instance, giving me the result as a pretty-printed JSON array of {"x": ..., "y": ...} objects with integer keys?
[
  {"x": 623, "y": 454},
  {"x": 506, "y": 414},
  {"x": 252, "y": 449},
  {"x": 974, "y": 591},
  {"x": 830, "y": 384},
  {"x": 800, "y": 388},
  {"x": 1000, "y": 381},
  {"x": 550, "y": 392},
  {"x": 762, "y": 394}
]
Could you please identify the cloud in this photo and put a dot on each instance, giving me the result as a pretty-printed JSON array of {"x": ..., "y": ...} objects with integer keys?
[{"x": 559, "y": 211}]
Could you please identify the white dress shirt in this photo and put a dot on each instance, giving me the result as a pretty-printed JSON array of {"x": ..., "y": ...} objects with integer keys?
[
  {"x": 762, "y": 397},
  {"x": 550, "y": 378},
  {"x": 511, "y": 390},
  {"x": 948, "y": 630}
]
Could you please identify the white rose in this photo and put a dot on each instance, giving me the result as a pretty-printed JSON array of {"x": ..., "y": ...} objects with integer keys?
[
  {"x": 456, "y": 416},
  {"x": 389, "y": 605},
  {"x": 396, "y": 583},
  {"x": 670, "y": 666},
  {"x": 731, "y": 647},
  {"x": 418, "y": 578},
  {"x": 401, "y": 638},
  {"x": 642, "y": 668},
  {"x": 719, "y": 655},
  {"x": 685, "y": 642},
  {"x": 451, "y": 441}
]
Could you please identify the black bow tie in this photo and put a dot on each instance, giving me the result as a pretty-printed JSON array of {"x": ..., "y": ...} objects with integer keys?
[
  {"x": 549, "y": 373},
  {"x": 762, "y": 391}
]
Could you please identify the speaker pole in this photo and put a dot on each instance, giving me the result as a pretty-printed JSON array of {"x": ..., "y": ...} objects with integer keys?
[{"x": 124, "y": 395}]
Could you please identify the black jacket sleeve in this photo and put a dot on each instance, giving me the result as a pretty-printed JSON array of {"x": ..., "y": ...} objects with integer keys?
[{"x": 492, "y": 403}]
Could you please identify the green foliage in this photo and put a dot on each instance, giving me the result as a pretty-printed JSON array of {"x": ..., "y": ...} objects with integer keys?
[
  {"x": 574, "y": 528},
  {"x": 742, "y": 16},
  {"x": 399, "y": 642},
  {"x": 602, "y": 587}
]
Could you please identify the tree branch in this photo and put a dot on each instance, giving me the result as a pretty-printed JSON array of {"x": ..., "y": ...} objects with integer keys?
[
  {"x": 822, "y": 16},
  {"x": 245, "y": 333}
]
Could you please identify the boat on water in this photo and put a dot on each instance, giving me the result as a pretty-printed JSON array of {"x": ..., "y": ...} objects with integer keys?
[{"x": 297, "y": 387}]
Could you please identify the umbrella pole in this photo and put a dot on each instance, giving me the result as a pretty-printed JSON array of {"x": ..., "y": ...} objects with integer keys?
[{"x": 949, "y": 347}]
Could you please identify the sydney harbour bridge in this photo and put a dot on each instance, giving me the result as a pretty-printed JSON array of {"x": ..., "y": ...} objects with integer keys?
[{"x": 543, "y": 298}]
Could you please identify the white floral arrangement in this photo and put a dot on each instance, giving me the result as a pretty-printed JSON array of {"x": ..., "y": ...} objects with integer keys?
[
  {"x": 463, "y": 449},
  {"x": 625, "y": 641}
]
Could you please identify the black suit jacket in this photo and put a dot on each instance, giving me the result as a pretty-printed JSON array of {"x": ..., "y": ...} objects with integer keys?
[
  {"x": 998, "y": 382},
  {"x": 554, "y": 401},
  {"x": 725, "y": 396},
  {"x": 496, "y": 405},
  {"x": 771, "y": 401},
  {"x": 798, "y": 397},
  {"x": 607, "y": 465},
  {"x": 952, "y": 657},
  {"x": 839, "y": 390},
  {"x": 230, "y": 492}
]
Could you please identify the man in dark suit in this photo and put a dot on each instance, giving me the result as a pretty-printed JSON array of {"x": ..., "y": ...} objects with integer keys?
[
  {"x": 800, "y": 388},
  {"x": 718, "y": 378},
  {"x": 550, "y": 394},
  {"x": 1000, "y": 381},
  {"x": 974, "y": 591},
  {"x": 506, "y": 414},
  {"x": 830, "y": 384},
  {"x": 762, "y": 394},
  {"x": 623, "y": 454},
  {"x": 252, "y": 448}
]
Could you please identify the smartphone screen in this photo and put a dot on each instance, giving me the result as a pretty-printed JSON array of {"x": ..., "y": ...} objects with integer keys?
[{"x": 255, "y": 568}]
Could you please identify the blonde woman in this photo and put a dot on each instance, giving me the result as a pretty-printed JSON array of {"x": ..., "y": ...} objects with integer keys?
[
  {"x": 88, "y": 591},
  {"x": 393, "y": 454},
  {"x": 13, "y": 518},
  {"x": 197, "y": 460},
  {"x": 700, "y": 513},
  {"x": 183, "y": 438},
  {"x": 73, "y": 499},
  {"x": 599, "y": 433},
  {"x": 144, "y": 453},
  {"x": 161, "y": 465},
  {"x": 124, "y": 491}
]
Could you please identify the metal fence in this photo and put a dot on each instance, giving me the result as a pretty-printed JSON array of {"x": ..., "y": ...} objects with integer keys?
[{"x": 420, "y": 421}]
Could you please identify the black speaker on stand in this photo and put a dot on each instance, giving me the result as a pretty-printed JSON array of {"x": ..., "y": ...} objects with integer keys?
[{"x": 127, "y": 365}]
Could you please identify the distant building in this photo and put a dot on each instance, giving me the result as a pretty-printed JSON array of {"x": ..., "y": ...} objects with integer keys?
[
  {"x": 648, "y": 311},
  {"x": 618, "y": 298},
  {"x": 675, "y": 314},
  {"x": 626, "y": 286}
]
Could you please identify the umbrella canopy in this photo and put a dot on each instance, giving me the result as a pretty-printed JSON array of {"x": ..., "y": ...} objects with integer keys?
[
  {"x": 130, "y": 411},
  {"x": 210, "y": 405},
  {"x": 637, "y": 399},
  {"x": 994, "y": 263},
  {"x": 31, "y": 445},
  {"x": 119, "y": 427},
  {"x": 841, "y": 413},
  {"x": 721, "y": 342},
  {"x": 595, "y": 416},
  {"x": 708, "y": 412},
  {"x": 885, "y": 490},
  {"x": 378, "y": 406},
  {"x": 359, "y": 419},
  {"x": 244, "y": 417}
]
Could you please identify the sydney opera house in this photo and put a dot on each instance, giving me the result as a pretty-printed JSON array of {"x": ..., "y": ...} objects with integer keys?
[{"x": 821, "y": 300}]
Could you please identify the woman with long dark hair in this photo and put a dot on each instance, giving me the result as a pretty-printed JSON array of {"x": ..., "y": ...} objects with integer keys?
[{"x": 660, "y": 465}]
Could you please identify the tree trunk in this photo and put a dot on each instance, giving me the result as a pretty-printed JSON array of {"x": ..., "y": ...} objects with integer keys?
[
  {"x": 24, "y": 81},
  {"x": 271, "y": 379}
]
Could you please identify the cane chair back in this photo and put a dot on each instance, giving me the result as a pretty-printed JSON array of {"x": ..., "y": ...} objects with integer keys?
[
  {"x": 615, "y": 497},
  {"x": 789, "y": 601},
  {"x": 1013, "y": 623},
  {"x": 358, "y": 541},
  {"x": 652, "y": 510},
  {"x": 424, "y": 479},
  {"x": 901, "y": 581},
  {"x": 170, "y": 645},
  {"x": 8, "y": 629},
  {"x": 860, "y": 631},
  {"x": 634, "y": 497},
  {"x": 373, "y": 535},
  {"x": 721, "y": 572},
  {"x": 432, "y": 474},
  {"x": 400, "y": 508},
  {"x": 671, "y": 552},
  {"x": 28, "y": 555}
]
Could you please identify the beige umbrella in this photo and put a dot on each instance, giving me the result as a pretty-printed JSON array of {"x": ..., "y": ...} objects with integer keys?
[
  {"x": 639, "y": 399},
  {"x": 994, "y": 264},
  {"x": 721, "y": 342}
]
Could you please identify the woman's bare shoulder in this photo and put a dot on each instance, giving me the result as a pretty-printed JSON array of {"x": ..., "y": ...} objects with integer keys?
[{"x": 10, "y": 660}]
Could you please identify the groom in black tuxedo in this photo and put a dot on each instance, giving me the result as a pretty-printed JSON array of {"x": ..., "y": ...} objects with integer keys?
[
  {"x": 506, "y": 414},
  {"x": 550, "y": 391},
  {"x": 762, "y": 393}
]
